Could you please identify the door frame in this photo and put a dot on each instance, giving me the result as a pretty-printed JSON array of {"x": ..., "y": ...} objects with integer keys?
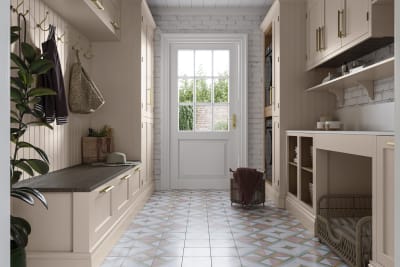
[{"x": 167, "y": 40}]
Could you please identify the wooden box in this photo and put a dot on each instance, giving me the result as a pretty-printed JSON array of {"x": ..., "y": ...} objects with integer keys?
[{"x": 95, "y": 149}]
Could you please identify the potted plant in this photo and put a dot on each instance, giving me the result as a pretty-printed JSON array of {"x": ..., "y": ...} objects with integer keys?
[{"x": 24, "y": 95}]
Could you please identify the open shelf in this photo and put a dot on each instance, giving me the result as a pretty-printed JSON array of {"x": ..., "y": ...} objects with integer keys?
[
  {"x": 293, "y": 164},
  {"x": 306, "y": 182},
  {"x": 268, "y": 111},
  {"x": 364, "y": 77},
  {"x": 293, "y": 180}
]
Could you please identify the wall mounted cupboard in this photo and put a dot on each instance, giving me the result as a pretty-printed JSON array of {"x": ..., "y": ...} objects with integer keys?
[
  {"x": 94, "y": 22},
  {"x": 339, "y": 31}
]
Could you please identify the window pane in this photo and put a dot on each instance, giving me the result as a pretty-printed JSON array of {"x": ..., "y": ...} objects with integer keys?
[
  {"x": 221, "y": 90},
  {"x": 203, "y": 118},
  {"x": 186, "y": 118},
  {"x": 221, "y": 117},
  {"x": 203, "y": 63},
  {"x": 185, "y": 90},
  {"x": 185, "y": 63},
  {"x": 221, "y": 63},
  {"x": 203, "y": 91}
]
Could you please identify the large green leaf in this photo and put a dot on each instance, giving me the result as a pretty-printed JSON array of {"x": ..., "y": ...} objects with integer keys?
[
  {"x": 40, "y": 66},
  {"x": 18, "y": 61},
  {"x": 16, "y": 94},
  {"x": 23, "y": 108},
  {"x": 25, "y": 167},
  {"x": 41, "y": 92},
  {"x": 25, "y": 78},
  {"x": 20, "y": 230},
  {"x": 14, "y": 31},
  {"x": 38, "y": 165},
  {"x": 15, "y": 177},
  {"x": 33, "y": 192},
  {"x": 29, "y": 52},
  {"x": 17, "y": 82},
  {"x": 38, "y": 150},
  {"x": 14, "y": 120}
]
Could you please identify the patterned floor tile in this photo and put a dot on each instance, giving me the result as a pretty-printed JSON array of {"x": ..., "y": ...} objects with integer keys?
[{"x": 200, "y": 228}]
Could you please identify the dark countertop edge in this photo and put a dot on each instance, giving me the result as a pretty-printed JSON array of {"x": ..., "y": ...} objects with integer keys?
[{"x": 25, "y": 183}]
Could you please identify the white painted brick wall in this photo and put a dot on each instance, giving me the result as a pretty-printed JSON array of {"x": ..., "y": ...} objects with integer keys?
[
  {"x": 383, "y": 89},
  {"x": 248, "y": 24}
]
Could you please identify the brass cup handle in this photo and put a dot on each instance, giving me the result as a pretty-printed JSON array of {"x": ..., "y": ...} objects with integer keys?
[
  {"x": 126, "y": 177},
  {"x": 107, "y": 189}
]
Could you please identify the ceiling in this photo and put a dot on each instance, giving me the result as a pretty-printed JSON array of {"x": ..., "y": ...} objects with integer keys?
[{"x": 209, "y": 3}]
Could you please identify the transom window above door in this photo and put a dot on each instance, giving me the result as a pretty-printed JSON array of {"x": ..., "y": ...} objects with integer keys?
[{"x": 203, "y": 90}]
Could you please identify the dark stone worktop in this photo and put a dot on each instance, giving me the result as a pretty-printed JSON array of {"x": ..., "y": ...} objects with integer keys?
[{"x": 80, "y": 178}]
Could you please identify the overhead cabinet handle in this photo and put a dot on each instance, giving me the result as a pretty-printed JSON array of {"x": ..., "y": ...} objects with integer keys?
[
  {"x": 317, "y": 39},
  {"x": 343, "y": 20},
  {"x": 107, "y": 189},
  {"x": 322, "y": 38},
  {"x": 391, "y": 144},
  {"x": 339, "y": 35}
]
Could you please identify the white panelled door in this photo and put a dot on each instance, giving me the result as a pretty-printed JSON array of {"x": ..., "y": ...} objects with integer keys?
[{"x": 205, "y": 117}]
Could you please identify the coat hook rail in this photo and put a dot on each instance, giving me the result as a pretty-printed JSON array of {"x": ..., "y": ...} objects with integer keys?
[
  {"x": 16, "y": 9},
  {"x": 61, "y": 38},
  {"x": 40, "y": 24}
]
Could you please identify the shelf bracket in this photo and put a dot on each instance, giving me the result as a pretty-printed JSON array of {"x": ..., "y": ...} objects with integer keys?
[
  {"x": 369, "y": 86},
  {"x": 339, "y": 93}
]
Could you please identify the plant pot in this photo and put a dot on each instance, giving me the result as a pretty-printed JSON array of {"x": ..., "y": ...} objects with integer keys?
[{"x": 18, "y": 257}]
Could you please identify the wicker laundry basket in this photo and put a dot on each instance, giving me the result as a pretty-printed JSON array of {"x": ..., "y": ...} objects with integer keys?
[{"x": 344, "y": 224}]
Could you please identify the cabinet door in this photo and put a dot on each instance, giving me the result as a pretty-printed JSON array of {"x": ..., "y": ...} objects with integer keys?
[
  {"x": 315, "y": 15},
  {"x": 384, "y": 205},
  {"x": 143, "y": 75},
  {"x": 331, "y": 39},
  {"x": 354, "y": 19},
  {"x": 143, "y": 169},
  {"x": 276, "y": 65},
  {"x": 276, "y": 152},
  {"x": 149, "y": 148},
  {"x": 134, "y": 184},
  {"x": 149, "y": 72},
  {"x": 120, "y": 194}
]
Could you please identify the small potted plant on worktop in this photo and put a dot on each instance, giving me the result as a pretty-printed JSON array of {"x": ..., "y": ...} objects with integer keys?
[{"x": 27, "y": 65}]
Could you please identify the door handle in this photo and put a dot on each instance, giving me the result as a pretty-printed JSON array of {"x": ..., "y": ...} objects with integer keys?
[
  {"x": 233, "y": 121},
  {"x": 317, "y": 39}
]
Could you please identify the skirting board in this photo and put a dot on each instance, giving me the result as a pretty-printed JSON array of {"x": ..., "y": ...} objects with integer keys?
[
  {"x": 303, "y": 214},
  {"x": 96, "y": 257}
]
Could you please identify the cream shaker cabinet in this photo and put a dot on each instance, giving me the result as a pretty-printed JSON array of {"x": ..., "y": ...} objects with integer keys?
[
  {"x": 335, "y": 26},
  {"x": 315, "y": 27},
  {"x": 384, "y": 203},
  {"x": 284, "y": 27},
  {"x": 147, "y": 94}
]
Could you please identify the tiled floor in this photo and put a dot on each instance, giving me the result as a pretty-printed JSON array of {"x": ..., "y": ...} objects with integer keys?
[{"x": 200, "y": 228}]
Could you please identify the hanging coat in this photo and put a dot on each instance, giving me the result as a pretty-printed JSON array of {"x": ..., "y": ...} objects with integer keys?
[{"x": 54, "y": 106}]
